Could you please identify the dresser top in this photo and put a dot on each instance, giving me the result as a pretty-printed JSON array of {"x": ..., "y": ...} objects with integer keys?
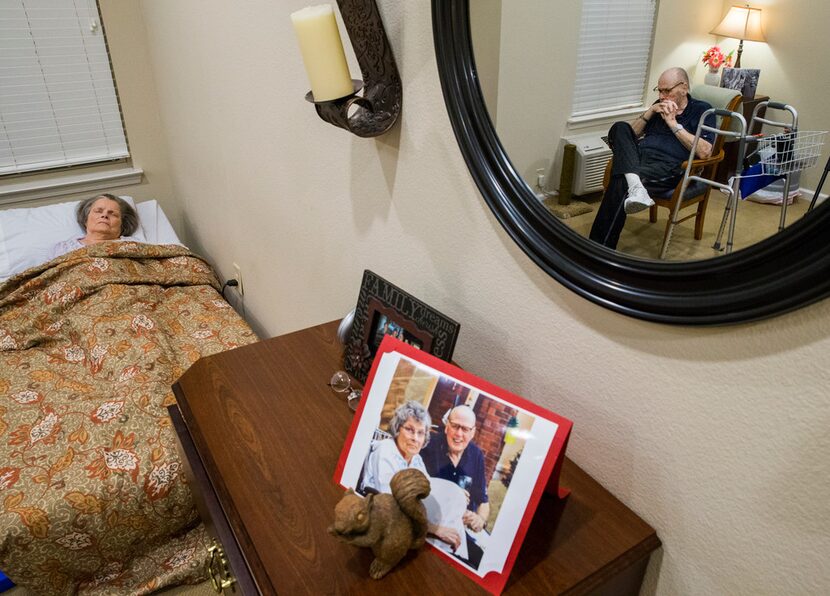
[{"x": 269, "y": 432}]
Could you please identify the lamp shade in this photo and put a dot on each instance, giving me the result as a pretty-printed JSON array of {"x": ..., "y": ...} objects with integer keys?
[{"x": 741, "y": 22}]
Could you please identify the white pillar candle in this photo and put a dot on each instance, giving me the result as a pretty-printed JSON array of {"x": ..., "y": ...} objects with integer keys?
[{"x": 322, "y": 50}]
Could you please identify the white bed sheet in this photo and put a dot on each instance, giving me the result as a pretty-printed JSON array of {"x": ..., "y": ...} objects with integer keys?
[{"x": 157, "y": 228}]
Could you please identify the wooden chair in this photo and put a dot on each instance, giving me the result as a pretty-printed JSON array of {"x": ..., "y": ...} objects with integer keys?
[{"x": 697, "y": 193}]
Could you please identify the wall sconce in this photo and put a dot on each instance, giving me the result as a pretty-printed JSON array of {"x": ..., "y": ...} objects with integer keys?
[
  {"x": 741, "y": 22},
  {"x": 333, "y": 92}
]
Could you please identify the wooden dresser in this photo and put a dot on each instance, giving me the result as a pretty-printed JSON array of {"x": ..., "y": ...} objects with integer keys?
[{"x": 262, "y": 432}]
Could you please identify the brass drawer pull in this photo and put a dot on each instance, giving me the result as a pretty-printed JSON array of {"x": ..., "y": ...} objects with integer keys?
[{"x": 217, "y": 568}]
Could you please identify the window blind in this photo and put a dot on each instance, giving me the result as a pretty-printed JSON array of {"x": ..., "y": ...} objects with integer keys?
[
  {"x": 613, "y": 55},
  {"x": 58, "y": 105}
]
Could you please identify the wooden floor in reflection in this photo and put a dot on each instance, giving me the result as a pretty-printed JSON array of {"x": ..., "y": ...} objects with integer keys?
[{"x": 641, "y": 238}]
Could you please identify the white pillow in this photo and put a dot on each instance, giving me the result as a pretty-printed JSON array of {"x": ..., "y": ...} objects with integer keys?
[
  {"x": 27, "y": 235},
  {"x": 157, "y": 228}
]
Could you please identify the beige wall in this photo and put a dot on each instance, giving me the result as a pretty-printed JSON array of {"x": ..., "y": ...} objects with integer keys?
[
  {"x": 485, "y": 26},
  {"x": 717, "y": 437},
  {"x": 535, "y": 87},
  {"x": 139, "y": 105}
]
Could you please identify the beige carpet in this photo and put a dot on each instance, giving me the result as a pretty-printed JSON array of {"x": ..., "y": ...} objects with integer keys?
[{"x": 755, "y": 221}]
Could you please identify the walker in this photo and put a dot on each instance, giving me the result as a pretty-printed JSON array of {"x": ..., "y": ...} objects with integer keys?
[
  {"x": 732, "y": 190},
  {"x": 778, "y": 155}
]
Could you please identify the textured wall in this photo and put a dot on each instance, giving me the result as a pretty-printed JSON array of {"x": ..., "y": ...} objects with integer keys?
[{"x": 717, "y": 437}]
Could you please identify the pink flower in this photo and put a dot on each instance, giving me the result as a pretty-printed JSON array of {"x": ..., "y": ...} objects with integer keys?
[{"x": 714, "y": 58}]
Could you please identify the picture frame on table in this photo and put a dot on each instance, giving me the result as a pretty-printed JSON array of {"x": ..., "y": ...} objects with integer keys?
[
  {"x": 416, "y": 405},
  {"x": 744, "y": 80},
  {"x": 385, "y": 309}
]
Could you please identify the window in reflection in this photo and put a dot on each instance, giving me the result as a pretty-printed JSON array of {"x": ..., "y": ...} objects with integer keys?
[{"x": 615, "y": 43}]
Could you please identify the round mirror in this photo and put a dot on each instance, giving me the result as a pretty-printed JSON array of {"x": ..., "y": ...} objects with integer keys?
[{"x": 770, "y": 275}]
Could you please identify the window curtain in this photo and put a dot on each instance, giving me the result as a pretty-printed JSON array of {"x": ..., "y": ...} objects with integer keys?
[{"x": 58, "y": 105}]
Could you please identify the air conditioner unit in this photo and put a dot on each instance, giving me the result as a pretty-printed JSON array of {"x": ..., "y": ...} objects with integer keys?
[{"x": 592, "y": 155}]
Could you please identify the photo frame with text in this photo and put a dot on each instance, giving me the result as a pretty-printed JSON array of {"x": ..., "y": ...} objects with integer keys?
[
  {"x": 518, "y": 445},
  {"x": 385, "y": 309}
]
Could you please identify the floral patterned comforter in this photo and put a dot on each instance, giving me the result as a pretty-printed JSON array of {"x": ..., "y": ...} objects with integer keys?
[{"x": 92, "y": 494}]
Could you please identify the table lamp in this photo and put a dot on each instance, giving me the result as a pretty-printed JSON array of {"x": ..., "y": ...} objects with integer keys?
[{"x": 741, "y": 22}]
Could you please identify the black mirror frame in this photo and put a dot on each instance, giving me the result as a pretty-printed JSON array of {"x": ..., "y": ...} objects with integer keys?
[{"x": 779, "y": 274}]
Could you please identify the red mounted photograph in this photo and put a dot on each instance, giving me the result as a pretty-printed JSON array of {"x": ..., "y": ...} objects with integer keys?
[{"x": 488, "y": 455}]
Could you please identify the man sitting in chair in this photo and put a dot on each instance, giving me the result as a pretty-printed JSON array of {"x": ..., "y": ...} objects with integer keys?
[{"x": 648, "y": 152}]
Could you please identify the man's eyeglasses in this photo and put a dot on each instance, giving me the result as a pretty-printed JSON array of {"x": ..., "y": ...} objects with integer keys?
[
  {"x": 418, "y": 433},
  {"x": 669, "y": 90},
  {"x": 460, "y": 427}
]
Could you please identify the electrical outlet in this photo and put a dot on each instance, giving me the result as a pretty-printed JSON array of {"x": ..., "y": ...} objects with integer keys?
[{"x": 237, "y": 275}]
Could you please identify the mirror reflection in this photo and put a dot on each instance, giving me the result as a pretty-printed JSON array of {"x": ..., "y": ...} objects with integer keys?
[{"x": 545, "y": 90}]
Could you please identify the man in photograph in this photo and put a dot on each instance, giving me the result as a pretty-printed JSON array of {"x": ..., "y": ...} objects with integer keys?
[{"x": 454, "y": 457}]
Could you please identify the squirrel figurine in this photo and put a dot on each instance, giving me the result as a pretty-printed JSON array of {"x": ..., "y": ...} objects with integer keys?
[{"x": 388, "y": 524}]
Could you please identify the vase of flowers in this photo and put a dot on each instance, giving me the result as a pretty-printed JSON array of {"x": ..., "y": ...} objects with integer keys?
[{"x": 714, "y": 58}]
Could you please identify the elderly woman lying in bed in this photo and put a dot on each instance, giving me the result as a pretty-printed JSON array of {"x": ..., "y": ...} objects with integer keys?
[
  {"x": 93, "y": 499},
  {"x": 103, "y": 217}
]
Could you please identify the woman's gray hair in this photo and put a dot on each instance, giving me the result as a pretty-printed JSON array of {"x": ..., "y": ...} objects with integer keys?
[
  {"x": 129, "y": 218},
  {"x": 407, "y": 410}
]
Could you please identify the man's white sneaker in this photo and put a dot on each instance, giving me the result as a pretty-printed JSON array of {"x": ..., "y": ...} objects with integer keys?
[{"x": 637, "y": 199}]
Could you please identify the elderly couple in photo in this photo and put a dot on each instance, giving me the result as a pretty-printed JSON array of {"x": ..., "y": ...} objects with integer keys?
[{"x": 451, "y": 457}]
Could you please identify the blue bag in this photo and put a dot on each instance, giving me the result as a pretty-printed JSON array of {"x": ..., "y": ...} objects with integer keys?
[
  {"x": 5, "y": 583},
  {"x": 756, "y": 180}
]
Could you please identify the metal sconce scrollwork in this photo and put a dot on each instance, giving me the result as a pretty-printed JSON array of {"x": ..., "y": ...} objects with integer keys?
[{"x": 375, "y": 110}]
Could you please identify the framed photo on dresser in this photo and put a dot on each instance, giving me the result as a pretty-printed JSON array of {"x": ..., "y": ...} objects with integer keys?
[
  {"x": 489, "y": 455},
  {"x": 385, "y": 309}
]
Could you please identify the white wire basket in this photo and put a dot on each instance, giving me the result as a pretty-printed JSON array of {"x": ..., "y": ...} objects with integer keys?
[{"x": 790, "y": 152}]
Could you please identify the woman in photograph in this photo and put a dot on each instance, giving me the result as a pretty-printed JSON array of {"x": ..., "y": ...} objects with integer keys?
[{"x": 409, "y": 428}]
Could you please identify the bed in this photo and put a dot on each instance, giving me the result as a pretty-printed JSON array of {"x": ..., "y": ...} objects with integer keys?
[{"x": 92, "y": 494}]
